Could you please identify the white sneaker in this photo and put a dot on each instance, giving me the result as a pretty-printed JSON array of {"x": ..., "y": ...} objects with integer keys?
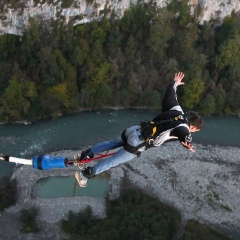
[{"x": 79, "y": 177}]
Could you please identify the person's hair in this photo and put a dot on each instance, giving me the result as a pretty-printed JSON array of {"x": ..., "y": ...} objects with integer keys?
[{"x": 196, "y": 121}]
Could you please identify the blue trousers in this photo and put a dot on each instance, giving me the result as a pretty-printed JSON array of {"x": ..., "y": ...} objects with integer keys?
[{"x": 121, "y": 156}]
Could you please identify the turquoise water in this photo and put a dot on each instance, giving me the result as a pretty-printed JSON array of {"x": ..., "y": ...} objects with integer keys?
[
  {"x": 83, "y": 129},
  {"x": 219, "y": 131},
  {"x": 67, "y": 132},
  {"x": 68, "y": 187},
  {"x": 86, "y": 128}
]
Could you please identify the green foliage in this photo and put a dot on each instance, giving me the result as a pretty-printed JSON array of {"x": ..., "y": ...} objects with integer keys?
[
  {"x": 96, "y": 77},
  {"x": 17, "y": 97},
  {"x": 103, "y": 94},
  {"x": 220, "y": 99},
  {"x": 234, "y": 98},
  {"x": 31, "y": 36},
  {"x": 66, "y": 3},
  {"x": 192, "y": 93},
  {"x": 150, "y": 98},
  {"x": 195, "y": 230},
  {"x": 8, "y": 45},
  {"x": 157, "y": 41},
  {"x": 8, "y": 193},
  {"x": 228, "y": 53},
  {"x": 183, "y": 11},
  {"x": 89, "y": 2},
  {"x": 12, "y": 3},
  {"x": 28, "y": 218},
  {"x": 53, "y": 68},
  {"x": 78, "y": 223},
  {"x": 208, "y": 105},
  {"x": 134, "y": 216},
  {"x": 228, "y": 30}
]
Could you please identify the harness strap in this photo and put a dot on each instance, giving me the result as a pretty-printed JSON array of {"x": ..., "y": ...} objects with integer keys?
[
  {"x": 180, "y": 117},
  {"x": 132, "y": 149},
  {"x": 148, "y": 142},
  {"x": 123, "y": 136}
]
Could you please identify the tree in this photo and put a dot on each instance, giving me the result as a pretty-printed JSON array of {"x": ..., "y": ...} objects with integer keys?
[
  {"x": 17, "y": 97},
  {"x": 207, "y": 105},
  {"x": 103, "y": 95},
  {"x": 182, "y": 10},
  {"x": 233, "y": 99},
  {"x": 30, "y": 41},
  {"x": 220, "y": 99},
  {"x": 160, "y": 33},
  {"x": 133, "y": 216},
  {"x": 28, "y": 218},
  {"x": 192, "y": 93},
  {"x": 150, "y": 98},
  {"x": 48, "y": 70},
  {"x": 95, "y": 77},
  {"x": 229, "y": 53},
  {"x": 8, "y": 46},
  {"x": 228, "y": 30}
]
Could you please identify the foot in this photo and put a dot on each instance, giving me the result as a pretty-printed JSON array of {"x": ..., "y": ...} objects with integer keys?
[
  {"x": 79, "y": 178},
  {"x": 86, "y": 154}
]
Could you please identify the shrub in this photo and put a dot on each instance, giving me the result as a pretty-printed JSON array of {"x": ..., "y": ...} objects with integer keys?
[
  {"x": 8, "y": 193},
  {"x": 28, "y": 218}
]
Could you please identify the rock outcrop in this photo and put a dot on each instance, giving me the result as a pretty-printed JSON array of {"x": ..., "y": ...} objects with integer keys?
[
  {"x": 203, "y": 186},
  {"x": 14, "y": 17}
]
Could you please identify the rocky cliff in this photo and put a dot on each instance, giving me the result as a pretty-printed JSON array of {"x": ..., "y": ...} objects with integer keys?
[
  {"x": 15, "y": 15},
  {"x": 203, "y": 186}
]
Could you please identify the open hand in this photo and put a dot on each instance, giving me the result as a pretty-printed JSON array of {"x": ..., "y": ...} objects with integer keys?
[
  {"x": 178, "y": 78},
  {"x": 188, "y": 145}
]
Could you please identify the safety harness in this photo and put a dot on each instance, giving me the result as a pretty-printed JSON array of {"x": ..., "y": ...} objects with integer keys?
[{"x": 149, "y": 130}]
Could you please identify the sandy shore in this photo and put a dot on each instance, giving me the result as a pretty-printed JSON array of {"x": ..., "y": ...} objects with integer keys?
[{"x": 203, "y": 186}]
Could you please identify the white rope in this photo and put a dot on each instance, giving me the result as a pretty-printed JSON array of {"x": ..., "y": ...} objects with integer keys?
[{"x": 21, "y": 160}]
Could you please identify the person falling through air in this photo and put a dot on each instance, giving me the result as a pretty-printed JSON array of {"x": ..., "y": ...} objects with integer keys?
[{"x": 171, "y": 124}]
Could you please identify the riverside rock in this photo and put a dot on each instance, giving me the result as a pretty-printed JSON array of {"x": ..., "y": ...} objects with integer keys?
[{"x": 203, "y": 186}]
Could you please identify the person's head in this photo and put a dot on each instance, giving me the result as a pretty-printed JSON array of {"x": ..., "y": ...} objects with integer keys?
[{"x": 195, "y": 123}]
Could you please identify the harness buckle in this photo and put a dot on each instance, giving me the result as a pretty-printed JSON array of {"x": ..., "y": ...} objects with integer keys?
[
  {"x": 181, "y": 117},
  {"x": 150, "y": 141}
]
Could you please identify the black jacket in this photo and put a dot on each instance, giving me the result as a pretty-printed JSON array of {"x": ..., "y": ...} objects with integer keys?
[{"x": 175, "y": 130}]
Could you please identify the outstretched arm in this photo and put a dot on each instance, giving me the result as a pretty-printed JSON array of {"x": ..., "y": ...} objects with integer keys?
[
  {"x": 184, "y": 136},
  {"x": 170, "y": 101}
]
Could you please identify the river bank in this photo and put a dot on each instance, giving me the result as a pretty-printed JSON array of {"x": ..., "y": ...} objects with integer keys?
[
  {"x": 203, "y": 186},
  {"x": 79, "y": 110}
]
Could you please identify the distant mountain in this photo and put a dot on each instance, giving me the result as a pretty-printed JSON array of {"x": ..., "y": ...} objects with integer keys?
[{"x": 15, "y": 15}]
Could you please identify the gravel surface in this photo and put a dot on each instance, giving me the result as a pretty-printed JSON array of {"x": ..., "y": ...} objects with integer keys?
[{"x": 203, "y": 186}]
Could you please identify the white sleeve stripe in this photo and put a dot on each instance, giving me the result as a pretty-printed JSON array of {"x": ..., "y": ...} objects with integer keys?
[
  {"x": 178, "y": 108},
  {"x": 175, "y": 86}
]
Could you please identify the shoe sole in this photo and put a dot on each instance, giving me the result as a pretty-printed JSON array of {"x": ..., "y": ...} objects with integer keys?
[{"x": 79, "y": 179}]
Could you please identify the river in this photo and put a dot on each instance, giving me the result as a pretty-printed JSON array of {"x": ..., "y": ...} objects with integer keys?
[{"x": 83, "y": 129}]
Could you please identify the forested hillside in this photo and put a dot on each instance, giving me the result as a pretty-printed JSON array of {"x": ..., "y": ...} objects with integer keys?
[{"x": 127, "y": 62}]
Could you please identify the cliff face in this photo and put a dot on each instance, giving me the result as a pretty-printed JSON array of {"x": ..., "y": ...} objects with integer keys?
[
  {"x": 15, "y": 15},
  {"x": 203, "y": 186},
  {"x": 217, "y": 9}
]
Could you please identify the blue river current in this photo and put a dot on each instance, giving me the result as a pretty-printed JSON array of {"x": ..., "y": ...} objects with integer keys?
[{"x": 83, "y": 129}]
